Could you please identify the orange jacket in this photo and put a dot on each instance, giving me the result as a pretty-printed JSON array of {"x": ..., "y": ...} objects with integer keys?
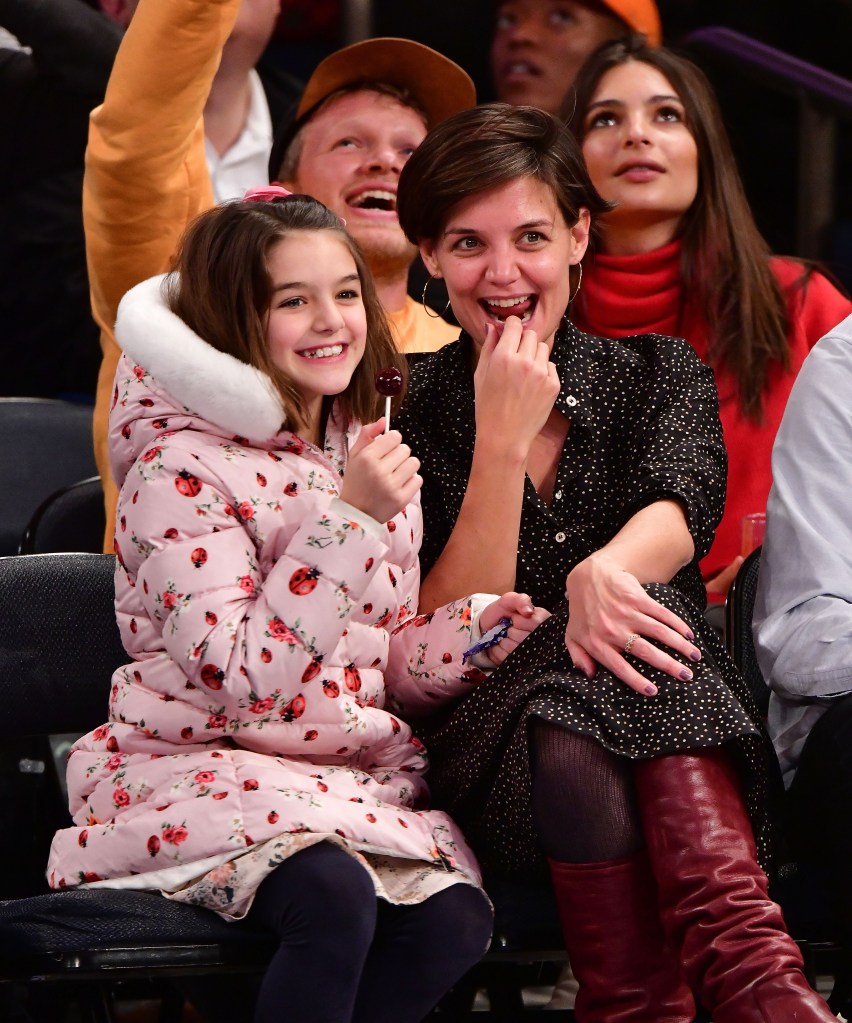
[{"x": 146, "y": 176}]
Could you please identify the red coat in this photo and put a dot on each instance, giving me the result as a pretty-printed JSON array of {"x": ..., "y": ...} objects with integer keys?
[{"x": 639, "y": 294}]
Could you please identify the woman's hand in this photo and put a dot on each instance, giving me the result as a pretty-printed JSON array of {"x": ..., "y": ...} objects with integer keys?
[
  {"x": 524, "y": 615},
  {"x": 609, "y": 612},
  {"x": 381, "y": 474},
  {"x": 515, "y": 384}
]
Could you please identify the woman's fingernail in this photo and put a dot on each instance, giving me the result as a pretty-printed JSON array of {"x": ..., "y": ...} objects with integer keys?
[
  {"x": 685, "y": 675},
  {"x": 691, "y": 637},
  {"x": 650, "y": 690},
  {"x": 695, "y": 655}
]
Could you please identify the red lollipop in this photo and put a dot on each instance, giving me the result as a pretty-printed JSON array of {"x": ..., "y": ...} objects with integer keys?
[{"x": 388, "y": 383}]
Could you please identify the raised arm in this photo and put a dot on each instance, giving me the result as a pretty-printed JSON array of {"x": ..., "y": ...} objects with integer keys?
[{"x": 146, "y": 176}]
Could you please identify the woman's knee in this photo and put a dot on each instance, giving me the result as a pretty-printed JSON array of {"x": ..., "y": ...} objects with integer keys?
[{"x": 666, "y": 595}]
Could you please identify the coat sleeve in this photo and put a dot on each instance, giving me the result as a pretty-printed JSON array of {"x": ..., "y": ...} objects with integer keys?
[
  {"x": 425, "y": 666},
  {"x": 211, "y": 608},
  {"x": 146, "y": 175},
  {"x": 425, "y": 660},
  {"x": 823, "y": 307}
]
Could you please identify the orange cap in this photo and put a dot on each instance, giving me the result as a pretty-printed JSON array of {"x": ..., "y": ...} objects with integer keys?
[{"x": 640, "y": 15}]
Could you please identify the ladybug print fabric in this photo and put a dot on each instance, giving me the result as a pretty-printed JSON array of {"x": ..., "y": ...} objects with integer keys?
[{"x": 272, "y": 639}]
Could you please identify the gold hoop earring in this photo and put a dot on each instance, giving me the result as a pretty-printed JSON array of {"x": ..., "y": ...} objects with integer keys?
[
  {"x": 579, "y": 283},
  {"x": 429, "y": 311}
]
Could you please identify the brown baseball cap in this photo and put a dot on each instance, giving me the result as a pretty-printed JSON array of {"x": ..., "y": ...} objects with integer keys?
[{"x": 437, "y": 84}]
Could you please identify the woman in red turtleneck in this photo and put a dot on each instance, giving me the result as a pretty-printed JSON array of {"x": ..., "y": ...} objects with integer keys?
[{"x": 681, "y": 255}]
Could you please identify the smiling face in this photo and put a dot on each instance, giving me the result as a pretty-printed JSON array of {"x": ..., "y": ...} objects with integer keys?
[
  {"x": 505, "y": 252},
  {"x": 539, "y": 45},
  {"x": 352, "y": 153},
  {"x": 316, "y": 328},
  {"x": 641, "y": 154}
]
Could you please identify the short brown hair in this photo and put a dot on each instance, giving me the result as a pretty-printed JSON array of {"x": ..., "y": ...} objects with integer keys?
[
  {"x": 486, "y": 146},
  {"x": 221, "y": 288}
]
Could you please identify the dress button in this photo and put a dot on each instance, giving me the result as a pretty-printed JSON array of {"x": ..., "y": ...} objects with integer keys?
[
  {"x": 570, "y": 400},
  {"x": 560, "y": 537},
  {"x": 558, "y": 495}
]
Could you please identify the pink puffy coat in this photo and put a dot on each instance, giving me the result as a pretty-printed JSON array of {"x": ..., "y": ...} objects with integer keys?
[{"x": 272, "y": 629}]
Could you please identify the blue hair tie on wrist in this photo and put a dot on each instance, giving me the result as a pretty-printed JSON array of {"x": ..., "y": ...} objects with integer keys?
[{"x": 490, "y": 638}]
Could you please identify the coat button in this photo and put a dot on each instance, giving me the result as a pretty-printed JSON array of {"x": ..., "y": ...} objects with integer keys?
[
  {"x": 570, "y": 400},
  {"x": 560, "y": 537}
]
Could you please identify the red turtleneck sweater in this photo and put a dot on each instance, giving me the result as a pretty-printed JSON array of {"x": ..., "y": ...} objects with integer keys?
[{"x": 643, "y": 294}]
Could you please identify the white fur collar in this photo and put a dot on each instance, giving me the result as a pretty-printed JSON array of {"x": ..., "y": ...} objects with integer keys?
[{"x": 218, "y": 387}]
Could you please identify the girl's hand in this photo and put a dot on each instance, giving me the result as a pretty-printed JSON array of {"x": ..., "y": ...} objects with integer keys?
[
  {"x": 381, "y": 474},
  {"x": 525, "y": 617},
  {"x": 515, "y": 385},
  {"x": 608, "y": 611}
]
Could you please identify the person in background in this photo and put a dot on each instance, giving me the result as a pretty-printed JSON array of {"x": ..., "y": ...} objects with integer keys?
[
  {"x": 244, "y": 103},
  {"x": 617, "y": 750},
  {"x": 266, "y": 591},
  {"x": 680, "y": 254},
  {"x": 48, "y": 85},
  {"x": 146, "y": 152},
  {"x": 538, "y": 46},
  {"x": 47, "y": 91},
  {"x": 802, "y": 617}
]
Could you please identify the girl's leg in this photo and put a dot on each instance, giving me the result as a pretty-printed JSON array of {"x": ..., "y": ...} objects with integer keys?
[
  {"x": 585, "y": 812},
  {"x": 322, "y": 905},
  {"x": 714, "y": 903},
  {"x": 419, "y": 952}
]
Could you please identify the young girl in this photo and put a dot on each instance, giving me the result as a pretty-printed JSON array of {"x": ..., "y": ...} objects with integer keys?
[{"x": 266, "y": 588}]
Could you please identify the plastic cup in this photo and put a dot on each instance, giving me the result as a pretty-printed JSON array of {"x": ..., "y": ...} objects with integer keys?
[{"x": 753, "y": 528}]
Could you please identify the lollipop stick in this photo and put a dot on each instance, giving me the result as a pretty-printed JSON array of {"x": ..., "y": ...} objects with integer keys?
[{"x": 387, "y": 413}]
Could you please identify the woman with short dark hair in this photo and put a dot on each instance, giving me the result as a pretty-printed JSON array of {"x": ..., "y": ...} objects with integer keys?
[{"x": 617, "y": 746}]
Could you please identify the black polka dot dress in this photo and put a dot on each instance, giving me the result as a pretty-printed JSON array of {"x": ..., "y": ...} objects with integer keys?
[{"x": 644, "y": 427}]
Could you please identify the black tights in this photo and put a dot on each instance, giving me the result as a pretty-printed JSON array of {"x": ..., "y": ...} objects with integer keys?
[
  {"x": 584, "y": 803},
  {"x": 346, "y": 955}
]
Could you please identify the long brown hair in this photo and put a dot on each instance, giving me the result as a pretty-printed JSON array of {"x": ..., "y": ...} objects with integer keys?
[
  {"x": 725, "y": 259},
  {"x": 221, "y": 288}
]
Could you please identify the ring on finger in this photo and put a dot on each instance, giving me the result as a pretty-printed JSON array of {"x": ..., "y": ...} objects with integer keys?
[{"x": 631, "y": 639}]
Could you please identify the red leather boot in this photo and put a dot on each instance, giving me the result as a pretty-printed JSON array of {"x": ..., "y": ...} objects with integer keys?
[
  {"x": 713, "y": 897},
  {"x": 616, "y": 944}
]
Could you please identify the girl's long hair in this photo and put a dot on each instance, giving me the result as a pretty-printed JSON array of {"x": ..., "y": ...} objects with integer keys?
[
  {"x": 725, "y": 260},
  {"x": 221, "y": 288}
]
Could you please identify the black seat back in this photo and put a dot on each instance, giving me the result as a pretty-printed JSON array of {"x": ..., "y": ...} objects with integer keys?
[
  {"x": 59, "y": 645},
  {"x": 738, "y": 615},
  {"x": 72, "y": 518},
  {"x": 47, "y": 444}
]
